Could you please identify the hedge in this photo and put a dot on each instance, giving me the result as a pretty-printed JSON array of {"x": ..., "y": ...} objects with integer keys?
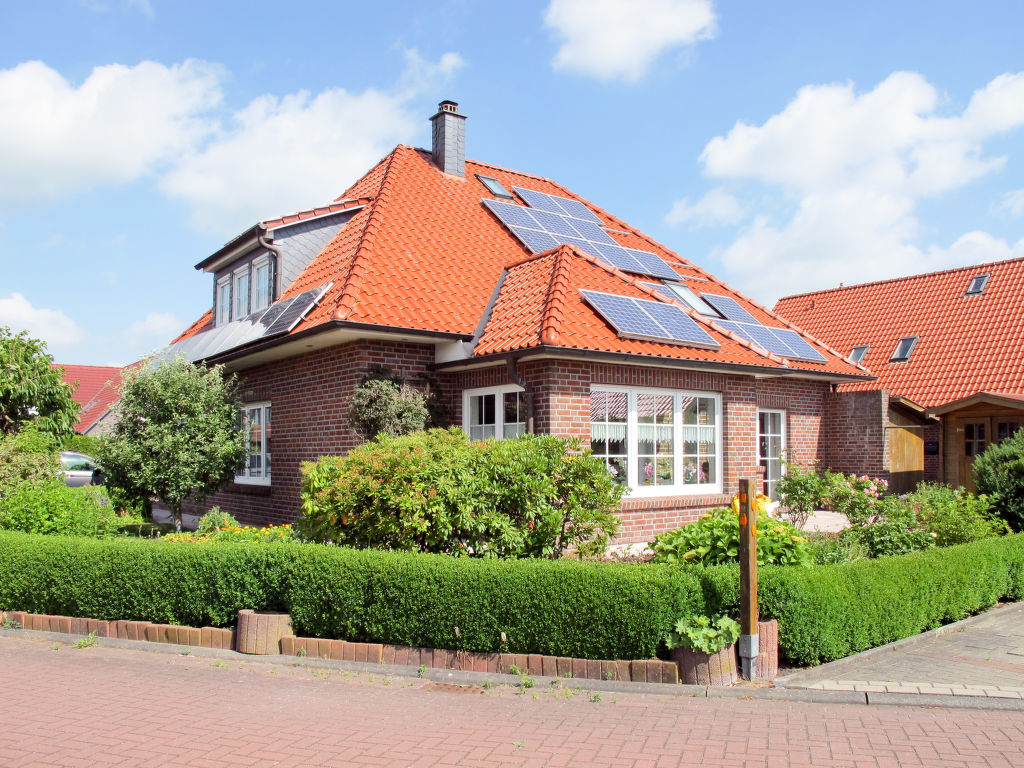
[
  {"x": 832, "y": 611},
  {"x": 563, "y": 608}
]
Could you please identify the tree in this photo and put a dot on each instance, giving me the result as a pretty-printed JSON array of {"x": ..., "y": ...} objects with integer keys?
[
  {"x": 999, "y": 472},
  {"x": 31, "y": 390},
  {"x": 177, "y": 436},
  {"x": 384, "y": 407}
]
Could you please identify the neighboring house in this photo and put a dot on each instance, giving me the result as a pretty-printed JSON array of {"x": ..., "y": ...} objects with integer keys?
[
  {"x": 97, "y": 389},
  {"x": 948, "y": 350},
  {"x": 532, "y": 309}
]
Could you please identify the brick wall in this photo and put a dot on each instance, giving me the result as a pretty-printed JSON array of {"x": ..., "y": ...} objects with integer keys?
[
  {"x": 855, "y": 438},
  {"x": 933, "y": 463}
]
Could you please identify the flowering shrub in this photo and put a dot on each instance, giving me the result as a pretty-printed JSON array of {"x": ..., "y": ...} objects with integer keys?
[
  {"x": 270, "y": 534},
  {"x": 715, "y": 539},
  {"x": 854, "y": 496},
  {"x": 801, "y": 490}
]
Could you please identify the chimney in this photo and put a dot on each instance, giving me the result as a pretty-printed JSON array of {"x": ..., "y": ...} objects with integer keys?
[{"x": 449, "y": 139}]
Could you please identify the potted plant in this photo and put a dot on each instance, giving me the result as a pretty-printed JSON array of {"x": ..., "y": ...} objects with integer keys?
[{"x": 705, "y": 650}]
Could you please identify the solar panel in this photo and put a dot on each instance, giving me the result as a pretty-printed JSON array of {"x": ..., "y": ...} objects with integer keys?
[
  {"x": 555, "y": 204},
  {"x": 802, "y": 349},
  {"x": 552, "y": 222},
  {"x": 538, "y": 242},
  {"x": 653, "y": 264},
  {"x": 296, "y": 311},
  {"x": 730, "y": 308},
  {"x": 577, "y": 210},
  {"x": 760, "y": 335},
  {"x": 639, "y": 318},
  {"x": 512, "y": 215},
  {"x": 590, "y": 231}
]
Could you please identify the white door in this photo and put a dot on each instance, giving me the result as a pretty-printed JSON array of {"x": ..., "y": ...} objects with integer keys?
[{"x": 771, "y": 441}]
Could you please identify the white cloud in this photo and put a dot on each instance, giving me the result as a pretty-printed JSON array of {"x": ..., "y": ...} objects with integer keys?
[
  {"x": 59, "y": 331},
  {"x": 1013, "y": 202},
  {"x": 853, "y": 167},
  {"x": 717, "y": 207},
  {"x": 620, "y": 39},
  {"x": 119, "y": 124},
  {"x": 156, "y": 329},
  {"x": 285, "y": 154}
]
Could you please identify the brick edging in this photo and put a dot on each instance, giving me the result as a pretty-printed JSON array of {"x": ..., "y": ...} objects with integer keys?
[{"x": 198, "y": 637}]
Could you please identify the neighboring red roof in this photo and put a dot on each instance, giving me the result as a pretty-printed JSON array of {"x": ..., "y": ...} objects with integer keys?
[
  {"x": 96, "y": 387},
  {"x": 967, "y": 344},
  {"x": 424, "y": 253}
]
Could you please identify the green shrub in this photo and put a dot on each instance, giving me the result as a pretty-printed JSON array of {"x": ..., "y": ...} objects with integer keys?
[
  {"x": 801, "y": 490},
  {"x": 889, "y": 537},
  {"x": 999, "y": 472},
  {"x": 86, "y": 444},
  {"x": 835, "y": 548},
  {"x": 53, "y": 508},
  {"x": 563, "y": 607},
  {"x": 214, "y": 520},
  {"x": 26, "y": 456},
  {"x": 384, "y": 407},
  {"x": 704, "y": 634},
  {"x": 715, "y": 539},
  {"x": 436, "y": 491},
  {"x": 954, "y": 516},
  {"x": 856, "y": 497}
]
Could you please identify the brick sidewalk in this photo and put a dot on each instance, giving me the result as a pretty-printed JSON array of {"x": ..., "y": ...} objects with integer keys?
[
  {"x": 984, "y": 656},
  {"x": 111, "y": 706}
]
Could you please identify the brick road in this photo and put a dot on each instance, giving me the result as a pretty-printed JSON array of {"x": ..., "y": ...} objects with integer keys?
[{"x": 111, "y": 706}]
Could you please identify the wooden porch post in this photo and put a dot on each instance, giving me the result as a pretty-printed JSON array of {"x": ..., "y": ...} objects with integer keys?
[{"x": 748, "y": 645}]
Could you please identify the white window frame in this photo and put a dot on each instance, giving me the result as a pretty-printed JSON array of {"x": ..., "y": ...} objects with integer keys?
[
  {"x": 678, "y": 488},
  {"x": 499, "y": 406},
  {"x": 782, "y": 445},
  {"x": 224, "y": 283},
  {"x": 243, "y": 476},
  {"x": 257, "y": 264},
  {"x": 236, "y": 276}
]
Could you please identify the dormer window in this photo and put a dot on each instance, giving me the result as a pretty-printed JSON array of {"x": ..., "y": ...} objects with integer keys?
[
  {"x": 857, "y": 353},
  {"x": 223, "y": 308},
  {"x": 261, "y": 284},
  {"x": 978, "y": 283},
  {"x": 903, "y": 350},
  {"x": 244, "y": 289},
  {"x": 241, "y": 293}
]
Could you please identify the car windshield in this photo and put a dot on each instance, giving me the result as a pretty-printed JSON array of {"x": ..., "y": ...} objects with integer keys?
[{"x": 76, "y": 462}]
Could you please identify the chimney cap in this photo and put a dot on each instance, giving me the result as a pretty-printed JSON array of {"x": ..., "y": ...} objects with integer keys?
[{"x": 449, "y": 106}]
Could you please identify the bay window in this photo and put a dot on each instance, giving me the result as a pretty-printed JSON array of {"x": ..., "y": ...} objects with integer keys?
[
  {"x": 256, "y": 425},
  {"x": 658, "y": 442},
  {"x": 494, "y": 412}
]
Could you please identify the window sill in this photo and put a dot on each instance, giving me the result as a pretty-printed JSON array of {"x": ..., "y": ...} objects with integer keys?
[
  {"x": 676, "y": 501},
  {"x": 251, "y": 488}
]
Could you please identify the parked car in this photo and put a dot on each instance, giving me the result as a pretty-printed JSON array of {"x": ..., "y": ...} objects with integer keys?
[{"x": 80, "y": 469}]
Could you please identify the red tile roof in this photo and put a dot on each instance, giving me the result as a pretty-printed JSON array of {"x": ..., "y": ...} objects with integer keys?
[
  {"x": 97, "y": 387},
  {"x": 424, "y": 253},
  {"x": 967, "y": 344}
]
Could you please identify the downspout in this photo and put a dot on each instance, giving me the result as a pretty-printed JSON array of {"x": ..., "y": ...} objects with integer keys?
[
  {"x": 513, "y": 374},
  {"x": 275, "y": 261}
]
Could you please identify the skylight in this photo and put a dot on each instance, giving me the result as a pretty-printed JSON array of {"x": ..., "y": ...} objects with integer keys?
[
  {"x": 978, "y": 283},
  {"x": 902, "y": 352},
  {"x": 494, "y": 186},
  {"x": 691, "y": 298},
  {"x": 857, "y": 353}
]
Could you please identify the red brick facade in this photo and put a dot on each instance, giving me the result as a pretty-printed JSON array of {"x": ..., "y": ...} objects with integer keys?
[{"x": 309, "y": 395}]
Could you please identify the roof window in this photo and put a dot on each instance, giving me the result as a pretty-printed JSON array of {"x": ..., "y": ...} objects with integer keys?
[
  {"x": 902, "y": 352},
  {"x": 692, "y": 299},
  {"x": 494, "y": 186},
  {"x": 978, "y": 283},
  {"x": 857, "y": 353}
]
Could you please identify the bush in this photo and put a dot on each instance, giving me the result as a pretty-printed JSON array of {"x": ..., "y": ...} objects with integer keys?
[
  {"x": 214, "y": 520},
  {"x": 715, "y": 539},
  {"x": 564, "y": 607},
  {"x": 53, "y": 508},
  {"x": 999, "y": 472},
  {"x": 854, "y": 496},
  {"x": 835, "y": 548},
  {"x": 954, "y": 516},
  {"x": 384, "y": 407},
  {"x": 801, "y": 490},
  {"x": 86, "y": 444},
  {"x": 436, "y": 491},
  {"x": 28, "y": 456},
  {"x": 888, "y": 537}
]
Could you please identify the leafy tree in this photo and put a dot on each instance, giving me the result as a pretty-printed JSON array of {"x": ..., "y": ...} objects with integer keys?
[
  {"x": 177, "y": 436},
  {"x": 999, "y": 472},
  {"x": 31, "y": 389},
  {"x": 383, "y": 407},
  {"x": 27, "y": 457}
]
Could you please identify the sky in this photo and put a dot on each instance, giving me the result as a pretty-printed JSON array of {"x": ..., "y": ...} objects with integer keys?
[{"x": 786, "y": 147}]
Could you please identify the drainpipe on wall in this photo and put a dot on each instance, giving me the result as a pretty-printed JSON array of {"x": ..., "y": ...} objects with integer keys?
[
  {"x": 275, "y": 261},
  {"x": 513, "y": 374}
]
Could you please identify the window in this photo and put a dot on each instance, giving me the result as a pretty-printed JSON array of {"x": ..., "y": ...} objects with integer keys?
[
  {"x": 857, "y": 353},
  {"x": 494, "y": 412},
  {"x": 902, "y": 352},
  {"x": 977, "y": 285},
  {"x": 693, "y": 300},
  {"x": 261, "y": 284},
  {"x": 241, "y": 293},
  {"x": 494, "y": 186},
  {"x": 1005, "y": 429},
  {"x": 256, "y": 423},
  {"x": 771, "y": 441},
  {"x": 657, "y": 441},
  {"x": 224, "y": 300}
]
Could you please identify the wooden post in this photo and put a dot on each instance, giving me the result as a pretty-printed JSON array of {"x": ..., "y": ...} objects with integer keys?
[{"x": 748, "y": 578}]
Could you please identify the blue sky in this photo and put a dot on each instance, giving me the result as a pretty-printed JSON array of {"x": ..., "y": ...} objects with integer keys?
[{"x": 785, "y": 146}]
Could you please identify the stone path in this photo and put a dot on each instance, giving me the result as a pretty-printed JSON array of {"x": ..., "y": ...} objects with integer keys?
[
  {"x": 99, "y": 706},
  {"x": 982, "y": 656}
]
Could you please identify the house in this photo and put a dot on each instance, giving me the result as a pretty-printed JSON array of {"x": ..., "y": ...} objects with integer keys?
[
  {"x": 532, "y": 309},
  {"x": 948, "y": 352},
  {"x": 96, "y": 389}
]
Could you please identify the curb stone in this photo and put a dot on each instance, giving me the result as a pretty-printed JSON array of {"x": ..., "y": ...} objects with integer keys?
[{"x": 459, "y": 677}]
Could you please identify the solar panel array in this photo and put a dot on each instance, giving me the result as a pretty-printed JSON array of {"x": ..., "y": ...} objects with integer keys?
[
  {"x": 730, "y": 308},
  {"x": 277, "y": 319},
  {"x": 551, "y": 221},
  {"x": 649, "y": 320}
]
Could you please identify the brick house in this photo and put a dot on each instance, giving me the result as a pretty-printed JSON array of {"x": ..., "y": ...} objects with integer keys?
[
  {"x": 532, "y": 309},
  {"x": 948, "y": 352}
]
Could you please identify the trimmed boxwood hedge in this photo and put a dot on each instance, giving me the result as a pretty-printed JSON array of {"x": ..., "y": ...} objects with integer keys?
[{"x": 564, "y": 608}]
